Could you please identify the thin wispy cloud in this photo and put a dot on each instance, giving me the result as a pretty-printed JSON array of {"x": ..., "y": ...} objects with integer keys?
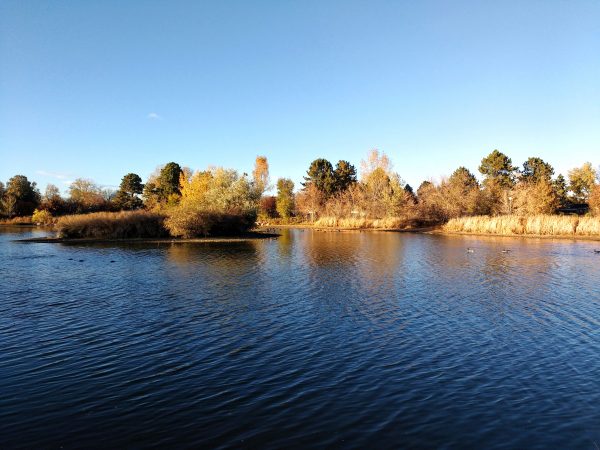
[
  {"x": 154, "y": 116},
  {"x": 57, "y": 175}
]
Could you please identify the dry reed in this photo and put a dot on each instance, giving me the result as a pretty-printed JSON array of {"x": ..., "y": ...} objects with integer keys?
[
  {"x": 117, "y": 225},
  {"x": 361, "y": 222},
  {"x": 542, "y": 225}
]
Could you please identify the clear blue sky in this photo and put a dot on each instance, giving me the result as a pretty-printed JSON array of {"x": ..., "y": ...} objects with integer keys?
[{"x": 99, "y": 89}]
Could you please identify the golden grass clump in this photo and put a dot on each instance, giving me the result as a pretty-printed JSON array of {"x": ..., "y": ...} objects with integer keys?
[
  {"x": 360, "y": 222},
  {"x": 112, "y": 225},
  {"x": 588, "y": 226},
  {"x": 551, "y": 225},
  {"x": 21, "y": 220},
  {"x": 486, "y": 225},
  {"x": 540, "y": 225}
]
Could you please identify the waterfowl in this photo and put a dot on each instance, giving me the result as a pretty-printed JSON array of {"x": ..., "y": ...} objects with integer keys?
[
  {"x": 597, "y": 251},
  {"x": 506, "y": 250},
  {"x": 470, "y": 250}
]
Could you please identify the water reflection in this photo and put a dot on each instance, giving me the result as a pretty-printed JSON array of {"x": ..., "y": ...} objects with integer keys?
[{"x": 313, "y": 339}]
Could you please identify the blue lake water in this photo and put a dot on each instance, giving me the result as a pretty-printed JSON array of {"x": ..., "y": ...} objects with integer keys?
[{"x": 344, "y": 340}]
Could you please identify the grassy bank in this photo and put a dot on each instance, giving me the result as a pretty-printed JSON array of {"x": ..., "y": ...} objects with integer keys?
[
  {"x": 539, "y": 225},
  {"x": 186, "y": 224},
  {"x": 105, "y": 225}
]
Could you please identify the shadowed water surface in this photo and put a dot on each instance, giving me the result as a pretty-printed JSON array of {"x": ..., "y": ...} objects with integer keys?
[{"x": 350, "y": 340}]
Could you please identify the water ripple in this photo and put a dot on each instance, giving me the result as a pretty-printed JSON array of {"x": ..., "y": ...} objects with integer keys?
[{"x": 347, "y": 340}]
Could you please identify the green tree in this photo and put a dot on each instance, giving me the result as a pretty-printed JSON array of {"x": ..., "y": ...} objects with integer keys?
[
  {"x": 581, "y": 181},
  {"x": 129, "y": 190},
  {"x": 344, "y": 176},
  {"x": 320, "y": 174},
  {"x": 21, "y": 197},
  {"x": 163, "y": 186},
  {"x": 560, "y": 188},
  {"x": 497, "y": 167},
  {"x": 168, "y": 180},
  {"x": 463, "y": 178},
  {"x": 285, "y": 197},
  {"x": 536, "y": 170}
]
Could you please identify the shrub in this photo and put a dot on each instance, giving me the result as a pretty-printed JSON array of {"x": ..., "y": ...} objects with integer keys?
[
  {"x": 189, "y": 222},
  {"x": 42, "y": 217},
  {"x": 121, "y": 225}
]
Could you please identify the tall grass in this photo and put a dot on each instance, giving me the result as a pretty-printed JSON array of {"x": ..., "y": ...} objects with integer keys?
[
  {"x": 542, "y": 225},
  {"x": 22, "y": 220},
  {"x": 107, "y": 225},
  {"x": 361, "y": 222}
]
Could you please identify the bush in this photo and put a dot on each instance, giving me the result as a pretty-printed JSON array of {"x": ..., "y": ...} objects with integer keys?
[
  {"x": 105, "y": 225},
  {"x": 189, "y": 222},
  {"x": 42, "y": 217}
]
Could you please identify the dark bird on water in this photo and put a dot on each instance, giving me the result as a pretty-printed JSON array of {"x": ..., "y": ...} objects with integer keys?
[{"x": 597, "y": 252}]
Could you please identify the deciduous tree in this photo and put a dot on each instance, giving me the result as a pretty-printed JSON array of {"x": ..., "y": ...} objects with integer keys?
[
  {"x": 21, "y": 196},
  {"x": 285, "y": 197},
  {"x": 260, "y": 174},
  {"x": 86, "y": 196},
  {"x": 581, "y": 181}
]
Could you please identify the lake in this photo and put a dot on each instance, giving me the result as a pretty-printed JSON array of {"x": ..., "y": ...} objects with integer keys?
[{"x": 329, "y": 339}]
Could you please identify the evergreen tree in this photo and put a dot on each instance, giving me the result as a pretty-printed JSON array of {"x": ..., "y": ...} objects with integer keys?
[
  {"x": 560, "y": 187},
  {"x": 168, "y": 180},
  {"x": 320, "y": 174},
  {"x": 464, "y": 178},
  {"x": 127, "y": 195},
  {"x": 344, "y": 175},
  {"x": 536, "y": 170},
  {"x": 498, "y": 168}
]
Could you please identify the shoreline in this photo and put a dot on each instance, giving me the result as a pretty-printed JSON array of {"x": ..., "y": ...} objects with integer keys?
[
  {"x": 437, "y": 230},
  {"x": 168, "y": 240},
  {"x": 571, "y": 237}
]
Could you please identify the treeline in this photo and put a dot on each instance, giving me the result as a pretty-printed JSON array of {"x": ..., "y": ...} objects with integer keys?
[
  {"x": 223, "y": 200},
  {"x": 186, "y": 203},
  {"x": 336, "y": 197}
]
